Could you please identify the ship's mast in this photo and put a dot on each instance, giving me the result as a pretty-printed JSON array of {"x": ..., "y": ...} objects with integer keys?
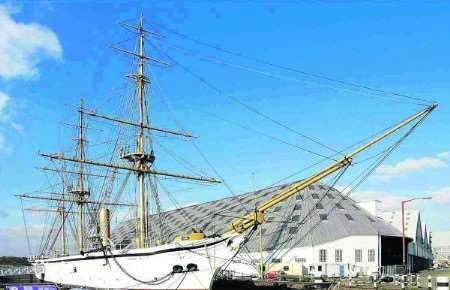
[
  {"x": 140, "y": 160},
  {"x": 62, "y": 212},
  {"x": 80, "y": 192},
  {"x": 140, "y": 90}
]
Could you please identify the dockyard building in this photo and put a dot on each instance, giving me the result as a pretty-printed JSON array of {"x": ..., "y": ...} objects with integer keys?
[
  {"x": 441, "y": 247},
  {"x": 318, "y": 231},
  {"x": 419, "y": 253}
]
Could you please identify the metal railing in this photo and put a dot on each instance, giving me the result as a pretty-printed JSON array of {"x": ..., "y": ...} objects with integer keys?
[{"x": 7, "y": 270}]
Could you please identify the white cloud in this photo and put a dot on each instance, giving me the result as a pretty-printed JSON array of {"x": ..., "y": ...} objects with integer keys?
[
  {"x": 4, "y": 100},
  {"x": 441, "y": 196},
  {"x": 18, "y": 232},
  {"x": 13, "y": 240},
  {"x": 409, "y": 165},
  {"x": 7, "y": 108},
  {"x": 24, "y": 45},
  {"x": 7, "y": 112},
  {"x": 3, "y": 214},
  {"x": 444, "y": 155},
  {"x": 388, "y": 201},
  {"x": 17, "y": 127},
  {"x": 4, "y": 147}
]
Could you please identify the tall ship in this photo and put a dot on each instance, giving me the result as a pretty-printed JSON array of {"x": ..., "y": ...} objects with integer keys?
[{"x": 192, "y": 260}]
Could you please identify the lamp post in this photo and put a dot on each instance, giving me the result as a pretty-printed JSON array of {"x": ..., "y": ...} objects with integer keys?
[{"x": 403, "y": 226}]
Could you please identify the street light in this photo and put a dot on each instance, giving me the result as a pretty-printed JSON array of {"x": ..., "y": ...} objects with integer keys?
[{"x": 403, "y": 225}]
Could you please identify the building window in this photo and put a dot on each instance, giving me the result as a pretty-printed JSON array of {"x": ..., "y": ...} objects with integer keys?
[
  {"x": 295, "y": 218},
  {"x": 276, "y": 261},
  {"x": 349, "y": 217},
  {"x": 286, "y": 268},
  {"x": 371, "y": 255},
  {"x": 338, "y": 255},
  {"x": 293, "y": 231},
  {"x": 323, "y": 217},
  {"x": 330, "y": 196},
  {"x": 319, "y": 268},
  {"x": 315, "y": 196},
  {"x": 358, "y": 255},
  {"x": 339, "y": 206},
  {"x": 319, "y": 205},
  {"x": 322, "y": 255},
  {"x": 278, "y": 208},
  {"x": 298, "y": 207},
  {"x": 300, "y": 260}
]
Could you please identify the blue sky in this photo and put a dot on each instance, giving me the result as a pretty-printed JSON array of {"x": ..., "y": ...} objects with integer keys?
[{"x": 55, "y": 52}]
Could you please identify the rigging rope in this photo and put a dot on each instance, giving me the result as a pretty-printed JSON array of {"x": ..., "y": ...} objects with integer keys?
[
  {"x": 247, "y": 106},
  {"x": 276, "y": 75},
  {"x": 312, "y": 210},
  {"x": 199, "y": 151},
  {"x": 273, "y": 138},
  {"x": 286, "y": 68},
  {"x": 26, "y": 227},
  {"x": 156, "y": 281},
  {"x": 362, "y": 177}
]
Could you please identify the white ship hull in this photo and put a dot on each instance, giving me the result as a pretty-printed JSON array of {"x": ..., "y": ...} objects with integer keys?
[{"x": 149, "y": 268}]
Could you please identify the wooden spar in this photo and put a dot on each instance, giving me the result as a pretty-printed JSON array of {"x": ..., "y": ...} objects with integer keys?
[
  {"x": 140, "y": 141},
  {"x": 62, "y": 213},
  {"x": 257, "y": 217},
  {"x": 24, "y": 195},
  {"x": 142, "y": 57},
  {"x": 135, "y": 169},
  {"x": 80, "y": 191},
  {"x": 49, "y": 210},
  {"x": 126, "y": 122},
  {"x": 137, "y": 29},
  {"x": 73, "y": 172},
  {"x": 142, "y": 161}
]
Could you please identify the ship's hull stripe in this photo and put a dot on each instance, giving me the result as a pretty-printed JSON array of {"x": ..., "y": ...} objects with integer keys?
[{"x": 133, "y": 254}]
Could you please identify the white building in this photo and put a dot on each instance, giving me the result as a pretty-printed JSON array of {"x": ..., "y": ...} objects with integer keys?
[
  {"x": 318, "y": 231},
  {"x": 418, "y": 242},
  {"x": 441, "y": 246}
]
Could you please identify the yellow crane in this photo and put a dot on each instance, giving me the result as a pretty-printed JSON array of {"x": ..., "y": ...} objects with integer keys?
[{"x": 252, "y": 219}]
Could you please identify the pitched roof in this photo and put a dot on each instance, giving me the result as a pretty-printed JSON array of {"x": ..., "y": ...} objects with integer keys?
[
  {"x": 315, "y": 215},
  {"x": 412, "y": 218}
]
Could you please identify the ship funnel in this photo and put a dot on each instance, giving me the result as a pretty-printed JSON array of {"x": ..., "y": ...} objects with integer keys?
[{"x": 105, "y": 230}]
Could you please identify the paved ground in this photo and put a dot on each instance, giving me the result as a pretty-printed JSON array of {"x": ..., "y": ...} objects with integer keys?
[
  {"x": 390, "y": 286},
  {"x": 434, "y": 274}
]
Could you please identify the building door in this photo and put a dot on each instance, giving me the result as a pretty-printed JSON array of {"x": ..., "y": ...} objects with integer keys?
[{"x": 341, "y": 270}]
